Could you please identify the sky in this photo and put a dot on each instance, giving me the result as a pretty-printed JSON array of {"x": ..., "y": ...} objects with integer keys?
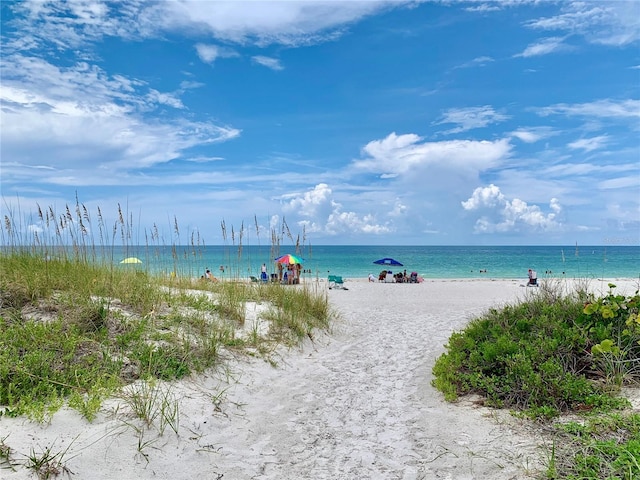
[{"x": 344, "y": 122}]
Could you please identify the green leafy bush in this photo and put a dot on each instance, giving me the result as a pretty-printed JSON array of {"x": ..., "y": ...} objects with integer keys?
[
  {"x": 612, "y": 325},
  {"x": 537, "y": 355}
]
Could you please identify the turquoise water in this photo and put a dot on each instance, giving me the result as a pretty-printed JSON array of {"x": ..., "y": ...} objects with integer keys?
[{"x": 504, "y": 262}]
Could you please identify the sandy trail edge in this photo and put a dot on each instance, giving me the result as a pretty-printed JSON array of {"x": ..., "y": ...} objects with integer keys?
[{"x": 354, "y": 404}]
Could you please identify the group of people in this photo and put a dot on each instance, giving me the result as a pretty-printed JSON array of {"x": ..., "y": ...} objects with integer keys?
[
  {"x": 287, "y": 274},
  {"x": 290, "y": 275},
  {"x": 400, "y": 277}
]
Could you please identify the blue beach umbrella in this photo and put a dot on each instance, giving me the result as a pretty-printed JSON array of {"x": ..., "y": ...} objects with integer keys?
[{"x": 388, "y": 261}]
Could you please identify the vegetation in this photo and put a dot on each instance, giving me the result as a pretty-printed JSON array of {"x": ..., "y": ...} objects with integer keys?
[
  {"x": 557, "y": 354},
  {"x": 75, "y": 328},
  {"x": 72, "y": 331}
]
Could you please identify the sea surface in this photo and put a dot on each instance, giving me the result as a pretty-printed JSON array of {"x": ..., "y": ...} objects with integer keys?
[{"x": 447, "y": 262}]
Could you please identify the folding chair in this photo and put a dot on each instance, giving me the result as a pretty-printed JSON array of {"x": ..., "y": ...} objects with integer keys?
[{"x": 336, "y": 281}]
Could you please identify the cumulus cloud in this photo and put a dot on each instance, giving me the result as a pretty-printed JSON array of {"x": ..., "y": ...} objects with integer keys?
[
  {"x": 312, "y": 202},
  {"x": 471, "y": 117},
  {"x": 321, "y": 214},
  {"x": 402, "y": 154},
  {"x": 502, "y": 215},
  {"x": 342, "y": 222}
]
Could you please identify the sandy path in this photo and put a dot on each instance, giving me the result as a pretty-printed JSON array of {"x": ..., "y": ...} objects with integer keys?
[
  {"x": 359, "y": 404},
  {"x": 354, "y": 404}
]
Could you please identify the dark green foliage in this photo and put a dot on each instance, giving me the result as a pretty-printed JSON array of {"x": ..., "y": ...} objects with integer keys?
[
  {"x": 557, "y": 354},
  {"x": 536, "y": 356}
]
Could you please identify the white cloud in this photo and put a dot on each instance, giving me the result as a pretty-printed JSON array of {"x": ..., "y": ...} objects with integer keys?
[
  {"x": 399, "y": 209},
  {"x": 321, "y": 214},
  {"x": 311, "y": 203},
  {"x": 544, "y": 47},
  {"x": 502, "y": 215},
  {"x": 589, "y": 144},
  {"x": 532, "y": 135},
  {"x": 402, "y": 154},
  {"x": 272, "y": 63},
  {"x": 483, "y": 8},
  {"x": 343, "y": 222},
  {"x": 262, "y": 23},
  {"x": 210, "y": 53},
  {"x": 70, "y": 25},
  {"x": 471, "y": 117},
  {"x": 44, "y": 107},
  {"x": 154, "y": 97},
  {"x": 614, "y": 23},
  {"x": 477, "y": 62},
  {"x": 630, "y": 182},
  {"x": 484, "y": 196},
  {"x": 601, "y": 108}
]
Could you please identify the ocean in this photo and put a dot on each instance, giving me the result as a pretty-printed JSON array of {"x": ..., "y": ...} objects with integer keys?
[{"x": 447, "y": 262}]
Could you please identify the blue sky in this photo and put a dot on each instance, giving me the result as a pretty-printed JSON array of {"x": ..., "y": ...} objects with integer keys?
[{"x": 374, "y": 122}]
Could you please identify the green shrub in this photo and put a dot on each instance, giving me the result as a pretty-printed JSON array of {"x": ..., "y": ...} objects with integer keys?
[
  {"x": 556, "y": 354},
  {"x": 537, "y": 354}
]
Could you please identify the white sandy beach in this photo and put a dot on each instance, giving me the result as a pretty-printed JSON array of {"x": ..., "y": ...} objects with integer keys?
[{"x": 356, "y": 403}]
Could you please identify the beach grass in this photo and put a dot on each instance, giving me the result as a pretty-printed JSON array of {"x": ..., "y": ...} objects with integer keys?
[
  {"x": 76, "y": 327},
  {"x": 76, "y": 332}
]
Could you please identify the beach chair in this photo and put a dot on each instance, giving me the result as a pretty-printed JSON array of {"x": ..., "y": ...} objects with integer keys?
[
  {"x": 413, "y": 278},
  {"x": 336, "y": 281}
]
